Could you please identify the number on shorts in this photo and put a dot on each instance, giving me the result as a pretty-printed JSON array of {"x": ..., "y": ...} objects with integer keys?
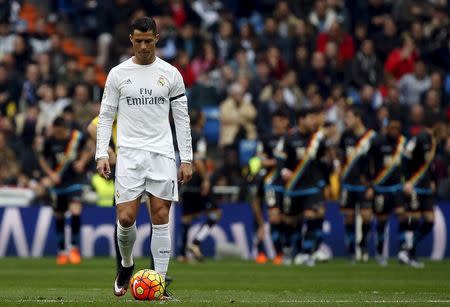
[{"x": 379, "y": 203}]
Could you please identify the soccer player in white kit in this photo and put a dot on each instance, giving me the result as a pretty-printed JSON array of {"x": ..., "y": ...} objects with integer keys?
[{"x": 141, "y": 91}]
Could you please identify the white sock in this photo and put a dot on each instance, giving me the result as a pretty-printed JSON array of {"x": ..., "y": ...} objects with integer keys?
[
  {"x": 126, "y": 236},
  {"x": 203, "y": 232},
  {"x": 160, "y": 247}
]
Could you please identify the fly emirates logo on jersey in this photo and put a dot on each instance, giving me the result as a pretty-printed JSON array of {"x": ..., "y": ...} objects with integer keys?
[{"x": 145, "y": 98}]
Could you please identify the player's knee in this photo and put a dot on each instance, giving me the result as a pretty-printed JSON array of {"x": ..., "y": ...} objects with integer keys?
[
  {"x": 366, "y": 216},
  {"x": 160, "y": 215},
  {"x": 428, "y": 216},
  {"x": 187, "y": 219},
  {"x": 58, "y": 215},
  {"x": 126, "y": 219},
  {"x": 309, "y": 214},
  {"x": 274, "y": 216},
  {"x": 75, "y": 208}
]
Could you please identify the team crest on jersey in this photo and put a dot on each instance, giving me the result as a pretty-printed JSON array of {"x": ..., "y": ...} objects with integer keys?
[{"x": 161, "y": 81}]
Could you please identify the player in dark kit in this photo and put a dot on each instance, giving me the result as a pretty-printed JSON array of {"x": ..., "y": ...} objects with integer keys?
[
  {"x": 63, "y": 159},
  {"x": 303, "y": 191},
  {"x": 386, "y": 167},
  {"x": 419, "y": 188},
  {"x": 356, "y": 192},
  {"x": 196, "y": 194},
  {"x": 270, "y": 150}
]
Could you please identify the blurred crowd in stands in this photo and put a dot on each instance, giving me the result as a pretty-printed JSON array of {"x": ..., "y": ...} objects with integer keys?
[{"x": 240, "y": 61}]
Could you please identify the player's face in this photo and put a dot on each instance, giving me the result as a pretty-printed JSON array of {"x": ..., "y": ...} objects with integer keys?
[
  {"x": 350, "y": 120},
  {"x": 280, "y": 125},
  {"x": 394, "y": 128},
  {"x": 144, "y": 45},
  {"x": 59, "y": 132}
]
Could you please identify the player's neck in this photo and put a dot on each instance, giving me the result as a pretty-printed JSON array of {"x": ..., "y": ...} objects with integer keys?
[
  {"x": 137, "y": 61},
  {"x": 359, "y": 130}
]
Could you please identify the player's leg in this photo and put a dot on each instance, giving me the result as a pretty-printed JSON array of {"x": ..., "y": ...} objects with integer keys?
[
  {"x": 186, "y": 221},
  {"x": 161, "y": 242},
  {"x": 348, "y": 211},
  {"x": 309, "y": 236},
  {"x": 292, "y": 210},
  {"x": 59, "y": 209},
  {"x": 213, "y": 214},
  {"x": 275, "y": 221},
  {"x": 75, "y": 209},
  {"x": 126, "y": 236},
  {"x": 381, "y": 202},
  {"x": 366, "y": 213},
  {"x": 424, "y": 228}
]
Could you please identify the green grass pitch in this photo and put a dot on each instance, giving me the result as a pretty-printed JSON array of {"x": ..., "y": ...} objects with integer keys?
[{"x": 39, "y": 282}]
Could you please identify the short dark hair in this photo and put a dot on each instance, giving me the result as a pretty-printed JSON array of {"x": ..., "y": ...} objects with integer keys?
[
  {"x": 281, "y": 112},
  {"x": 357, "y": 112},
  {"x": 143, "y": 24},
  {"x": 59, "y": 122}
]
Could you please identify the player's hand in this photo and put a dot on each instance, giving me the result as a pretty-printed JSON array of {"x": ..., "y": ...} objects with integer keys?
[
  {"x": 78, "y": 166},
  {"x": 54, "y": 177},
  {"x": 286, "y": 174},
  {"x": 185, "y": 173},
  {"x": 369, "y": 193},
  {"x": 103, "y": 168},
  {"x": 408, "y": 188},
  {"x": 204, "y": 189},
  {"x": 260, "y": 233}
]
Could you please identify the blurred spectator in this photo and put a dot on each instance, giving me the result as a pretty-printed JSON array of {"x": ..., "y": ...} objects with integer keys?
[
  {"x": 240, "y": 63},
  {"x": 413, "y": 85},
  {"x": 343, "y": 41},
  {"x": 287, "y": 21},
  {"x": 203, "y": 93},
  {"x": 322, "y": 16},
  {"x": 9, "y": 93},
  {"x": 401, "y": 60},
  {"x": 30, "y": 86},
  {"x": 387, "y": 40},
  {"x": 366, "y": 68},
  {"x": 22, "y": 53},
  {"x": 185, "y": 68},
  {"x": 208, "y": 10},
  {"x": 205, "y": 60},
  {"x": 432, "y": 105},
  {"x": 276, "y": 63},
  {"x": 187, "y": 40},
  {"x": 84, "y": 108},
  {"x": 9, "y": 167},
  {"x": 224, "y": 41},
  {"x": 40, "y": 40},
  {"x": 377, "y": 10},
  {"x": 236, "y": 117},
  {"x": 6, "y": 38}
]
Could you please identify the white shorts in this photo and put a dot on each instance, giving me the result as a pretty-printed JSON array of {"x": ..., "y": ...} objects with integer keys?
[{"x": 139, "y": 171}]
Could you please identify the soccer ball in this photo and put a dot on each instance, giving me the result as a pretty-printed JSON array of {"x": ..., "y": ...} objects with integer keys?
[{"x": 147, "y": 285}]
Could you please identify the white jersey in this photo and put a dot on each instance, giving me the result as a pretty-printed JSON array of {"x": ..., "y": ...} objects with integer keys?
[{"x": 143, "y": 96}]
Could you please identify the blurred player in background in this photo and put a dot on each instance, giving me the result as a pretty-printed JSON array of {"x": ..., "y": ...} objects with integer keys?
[
  {"x": 270, "y": 151},
  {"x": 303, "y": 188},
  {"x": 356, "y": 192},
  {"x": 419, "y": 189},
  {"x": 386, "y": 167},
  {"x": 142, "y": 91},
  {"x": 196, "y": 194},
  {"x": 63, "y": 159}
]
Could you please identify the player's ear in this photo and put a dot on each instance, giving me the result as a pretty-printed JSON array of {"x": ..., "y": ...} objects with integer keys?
[
  {"x": 157, "y": 38},
  {"x": 131, "y": 38}
]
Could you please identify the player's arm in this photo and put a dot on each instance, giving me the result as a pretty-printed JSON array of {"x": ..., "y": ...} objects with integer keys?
[
  {"x": 108, "y": 110},
  {"x": 200, "y": 166},
  {"x": 86, "y": 154},
  {"x": 178, "y": 104},
  {"x": 48, "y": 171},
  {"x": 410, "y": 147}
]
